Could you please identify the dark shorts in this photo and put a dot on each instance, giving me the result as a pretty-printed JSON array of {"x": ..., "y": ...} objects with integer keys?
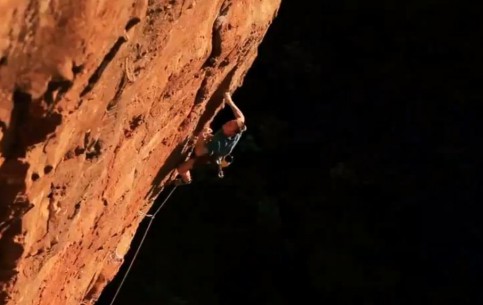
[{"x": 206, "y": 159}]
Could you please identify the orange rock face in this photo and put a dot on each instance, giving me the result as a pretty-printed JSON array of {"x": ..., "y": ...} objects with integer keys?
[{"x": 96, "y": 102}]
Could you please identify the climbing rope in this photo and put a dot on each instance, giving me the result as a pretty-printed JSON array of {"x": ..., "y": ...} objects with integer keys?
[
  {"x": 222, "y": 162},
  {"x": 152, "y": 216}
]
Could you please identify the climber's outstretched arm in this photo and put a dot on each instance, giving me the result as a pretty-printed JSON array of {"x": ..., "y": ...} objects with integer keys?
[{"x": 236, "y": 111}]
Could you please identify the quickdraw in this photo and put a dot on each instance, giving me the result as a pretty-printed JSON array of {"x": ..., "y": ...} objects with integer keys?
[{"x": 223, "y": 161}]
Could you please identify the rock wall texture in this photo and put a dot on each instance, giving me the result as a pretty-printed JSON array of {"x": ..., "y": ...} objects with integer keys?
[{"x": 97, "y": 99}]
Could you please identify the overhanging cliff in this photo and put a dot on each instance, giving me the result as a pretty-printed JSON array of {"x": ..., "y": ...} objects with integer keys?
[{"x": 96, "y": 102}]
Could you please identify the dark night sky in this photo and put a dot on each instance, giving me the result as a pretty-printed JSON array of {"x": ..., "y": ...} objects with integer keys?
[{"x": 357, "y": 181}]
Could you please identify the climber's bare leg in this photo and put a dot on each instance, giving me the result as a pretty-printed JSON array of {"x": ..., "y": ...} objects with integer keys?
[{"x": 184, "y": 170}]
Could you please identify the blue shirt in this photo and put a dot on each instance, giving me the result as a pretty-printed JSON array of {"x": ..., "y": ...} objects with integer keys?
[{"x": 222, "y": 145}]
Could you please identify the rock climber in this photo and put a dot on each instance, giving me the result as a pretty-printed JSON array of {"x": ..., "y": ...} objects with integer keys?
[{"x": 210, "y": 148}]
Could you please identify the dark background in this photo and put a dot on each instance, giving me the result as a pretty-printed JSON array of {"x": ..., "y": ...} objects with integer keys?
[{"x": 357, "y": 181}]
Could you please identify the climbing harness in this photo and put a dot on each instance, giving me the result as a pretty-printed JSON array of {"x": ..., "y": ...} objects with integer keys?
[{"x": 152, "y": 216}]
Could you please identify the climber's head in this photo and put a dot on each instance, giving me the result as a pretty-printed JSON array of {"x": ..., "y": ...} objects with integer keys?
[{"x": 233, "y": 127}]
